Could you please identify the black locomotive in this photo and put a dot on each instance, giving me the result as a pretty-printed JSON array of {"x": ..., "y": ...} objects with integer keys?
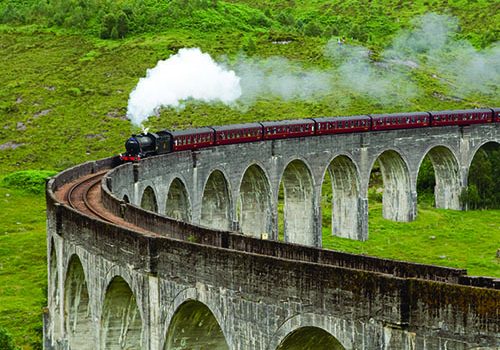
[{"x": 149, "y": 144}]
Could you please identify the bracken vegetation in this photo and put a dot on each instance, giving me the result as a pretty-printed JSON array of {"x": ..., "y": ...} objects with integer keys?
[{"x": 68, "y": 67}]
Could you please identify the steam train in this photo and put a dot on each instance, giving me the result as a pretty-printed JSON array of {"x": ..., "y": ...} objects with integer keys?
[{"x": 149, "y": 144}]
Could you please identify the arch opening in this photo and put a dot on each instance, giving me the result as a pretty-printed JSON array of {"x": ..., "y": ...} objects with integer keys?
[
  {"x": 194, "y": 326},
  {"x": 254, "y": 203},
  {"x": 438, "y": 181},
  {"x": 148, "y": 201},
  {"x": 483, "y": 179},
  {"x": 126, "y": 199},
  {"x": 391, "y": 171},
  {"x": 216, "y": 203},
  {"x": 177, "y": 206},
  {"x": 340, "y": 198},
  {"x": 121, "y": 324},
  {"x": 310, "y": 338},
  {"x": 298, "y": 206},
  {"x": 78, "y": 320}
]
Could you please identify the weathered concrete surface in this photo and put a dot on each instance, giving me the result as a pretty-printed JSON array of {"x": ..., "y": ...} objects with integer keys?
[
  {"x": 236, "y": 187},
  {"x": 190, "y": 285}
]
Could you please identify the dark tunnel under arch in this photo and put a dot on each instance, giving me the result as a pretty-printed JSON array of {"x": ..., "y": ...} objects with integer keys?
[
  {"x": 194, "y": 326},
  {"x": 310, "y": 338}
]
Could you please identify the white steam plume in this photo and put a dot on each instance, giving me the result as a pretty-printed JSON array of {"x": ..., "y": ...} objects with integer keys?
[{"x": 188, "y": 74}]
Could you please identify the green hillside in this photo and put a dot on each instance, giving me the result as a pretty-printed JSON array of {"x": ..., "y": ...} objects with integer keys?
[{"x": 68, "y": 67}]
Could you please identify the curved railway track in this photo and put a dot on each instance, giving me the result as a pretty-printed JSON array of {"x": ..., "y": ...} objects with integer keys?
[{"x": 81, "y": 194}]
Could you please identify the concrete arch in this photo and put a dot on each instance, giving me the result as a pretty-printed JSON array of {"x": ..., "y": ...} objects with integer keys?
[
  {"x": 474, "y": 151},
  {"x": 447, "y": 175},
  {"x": 298, "y": 184},
  {"x": 178, "y": 205},
  {"x": 304, "y": 328},
  {"x": 254, "y": 202},
  {"x": 216, "y": 202},
  {"x": 398, "y": 199},
  {"x": 124, "y": 193},
  {"x": 481, "y": 178},
  {"x": 148, "y": 200},
  {"x": 77, "y": 311},
  {"x": 345, "y": 178},
  {"x": 310, "y": 338},
  {"x": 194, "y": 326},
  {"x": 193, "y": 294},
  {"x": 121, "y": 321}
]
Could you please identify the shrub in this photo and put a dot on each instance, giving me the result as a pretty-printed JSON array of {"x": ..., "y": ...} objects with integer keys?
[
  {"x": 312, "y": 29},
  {"x": 6, "y": 342},
  {"x": 28, "y": 180}
]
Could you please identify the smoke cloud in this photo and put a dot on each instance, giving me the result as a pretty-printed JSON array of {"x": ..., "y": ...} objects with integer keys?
[
  {"x": 433, "y": 42},
  {"x": 279, "y": 77},
  {"x": 431, "y": 45},
  {"x": 382, "y": 81},
  {"x": 190, "y": 74}
]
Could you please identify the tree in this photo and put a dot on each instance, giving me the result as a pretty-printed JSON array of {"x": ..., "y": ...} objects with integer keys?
[
  {"x": 122, "y": 24},
  {"x": 107, "y": 24}
]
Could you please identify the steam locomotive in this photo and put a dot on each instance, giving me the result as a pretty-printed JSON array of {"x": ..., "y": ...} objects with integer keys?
[{"x": 149, "y": 144}]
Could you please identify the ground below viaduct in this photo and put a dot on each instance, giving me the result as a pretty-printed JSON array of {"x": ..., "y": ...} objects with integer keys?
[{"x": 203, "y": 278}]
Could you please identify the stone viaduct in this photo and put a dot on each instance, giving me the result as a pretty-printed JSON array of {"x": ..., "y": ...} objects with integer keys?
[{"x": 198, "y": 275}]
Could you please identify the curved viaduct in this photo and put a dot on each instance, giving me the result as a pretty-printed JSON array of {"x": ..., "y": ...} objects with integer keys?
[{"x": 204, "y": 279}]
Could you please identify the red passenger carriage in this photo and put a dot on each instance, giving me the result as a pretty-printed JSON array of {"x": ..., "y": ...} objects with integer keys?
[
  {"x": 288, "y": 129},
  {"x": 461, "y": 117},
  {"x": 192, "y": 139},
  {"x": 237, "y": 133},
  {"x": 400, "y": 120},
  {"x": 336, "y": 125}
]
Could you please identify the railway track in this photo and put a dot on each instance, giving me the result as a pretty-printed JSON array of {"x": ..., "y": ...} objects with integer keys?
[{"x": 82, "y": 194}]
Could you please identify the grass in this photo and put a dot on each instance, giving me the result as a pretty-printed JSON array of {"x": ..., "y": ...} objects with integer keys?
[
  {"x": 23, "y": 265},
  {"x": 439, "y": 237}
]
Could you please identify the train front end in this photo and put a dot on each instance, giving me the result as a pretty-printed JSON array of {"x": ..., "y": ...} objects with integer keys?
[{"x": 137, "y": 147}]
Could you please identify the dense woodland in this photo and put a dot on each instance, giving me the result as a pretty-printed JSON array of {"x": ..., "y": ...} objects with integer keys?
[
  {"x": 367, "y": 21},
  {"x": 68, "y": 67}
]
